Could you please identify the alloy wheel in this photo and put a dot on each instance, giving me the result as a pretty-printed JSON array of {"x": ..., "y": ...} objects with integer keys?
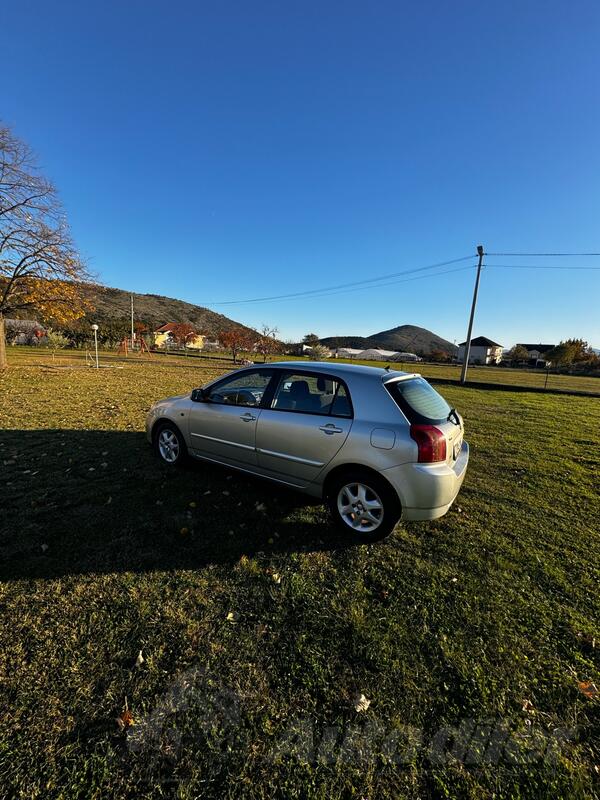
[
  {"x": 360, "y": 507},
  {"x": 168, "y": 446}
]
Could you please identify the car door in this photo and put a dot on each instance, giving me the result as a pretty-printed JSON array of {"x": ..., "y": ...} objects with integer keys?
[
  {"x": 307, "y": 422},
  {"x": 222, "y": 424}
]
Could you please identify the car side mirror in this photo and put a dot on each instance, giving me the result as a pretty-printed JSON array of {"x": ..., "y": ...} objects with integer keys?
[{"x": 199, "y": 395}]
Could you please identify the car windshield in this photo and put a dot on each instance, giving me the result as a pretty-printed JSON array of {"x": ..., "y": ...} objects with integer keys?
[{"x": 419, "y": 401}]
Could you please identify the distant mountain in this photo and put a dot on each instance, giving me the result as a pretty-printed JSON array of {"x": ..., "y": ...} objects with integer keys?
[
  {"x": 404, "y": 338},
  {"x": 155, "y": 310}
]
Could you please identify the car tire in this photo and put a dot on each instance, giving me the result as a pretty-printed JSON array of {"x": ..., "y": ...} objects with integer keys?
[
  {"x": 372, "y": 507},
  {"x": 170, "y": 445}
]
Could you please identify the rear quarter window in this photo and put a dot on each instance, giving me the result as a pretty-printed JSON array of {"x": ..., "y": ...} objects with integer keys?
[{"x": 419, "y": 401}]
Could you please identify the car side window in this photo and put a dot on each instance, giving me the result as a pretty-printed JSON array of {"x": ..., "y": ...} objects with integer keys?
[
  {"x": 246, "y": 389},
  {"x": 341, "y": 403},
  {"x": 312, "y": 394}
]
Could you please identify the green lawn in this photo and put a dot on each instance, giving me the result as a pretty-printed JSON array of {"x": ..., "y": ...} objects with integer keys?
[
  {"x": 470, "y": 635},
  {"x": 534, "y": 378}
]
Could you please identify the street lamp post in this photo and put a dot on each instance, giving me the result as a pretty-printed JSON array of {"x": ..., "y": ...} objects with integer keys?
[{"x": 95, "y": 329}]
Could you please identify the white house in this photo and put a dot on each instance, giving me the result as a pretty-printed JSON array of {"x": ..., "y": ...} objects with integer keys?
[
  {"x": 483, "y": 351},
  {"x": 537, "y": 352}
]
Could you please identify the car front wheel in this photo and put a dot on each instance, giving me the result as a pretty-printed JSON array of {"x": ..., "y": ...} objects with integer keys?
[
  {"x": 170, "y": 445},
  {"x": 363, "y": 506}
]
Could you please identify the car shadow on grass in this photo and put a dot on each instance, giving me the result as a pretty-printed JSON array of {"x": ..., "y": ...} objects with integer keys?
[{"x": 92, "y": 501}]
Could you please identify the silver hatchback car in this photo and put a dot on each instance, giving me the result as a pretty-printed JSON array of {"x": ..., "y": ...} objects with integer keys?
[{"x": 376, "y": 444}]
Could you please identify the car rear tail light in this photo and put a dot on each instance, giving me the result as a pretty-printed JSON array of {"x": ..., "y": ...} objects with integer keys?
[{"x": 430, "y": 441}]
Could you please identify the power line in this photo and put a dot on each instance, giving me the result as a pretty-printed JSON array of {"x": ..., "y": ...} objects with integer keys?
[
  {"x": 540, "y": 266},
  {"x": 390, "y": 283},
  {"x": 335, "y": 292},
  {"x": 543, "y": 254},
  {"x": 358, "y": 284}
]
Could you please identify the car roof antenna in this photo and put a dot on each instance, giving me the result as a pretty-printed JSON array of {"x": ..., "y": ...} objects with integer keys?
[{"x": 388, "y": 368}]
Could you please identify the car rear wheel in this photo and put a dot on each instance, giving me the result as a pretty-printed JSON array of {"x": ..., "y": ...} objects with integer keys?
[
  {"x": 363, "y": 506},
  {"x": 170, "y": 445}
]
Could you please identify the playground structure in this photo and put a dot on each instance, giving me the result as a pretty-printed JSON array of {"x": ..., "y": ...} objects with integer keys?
[{"x": 135, "y": 344}]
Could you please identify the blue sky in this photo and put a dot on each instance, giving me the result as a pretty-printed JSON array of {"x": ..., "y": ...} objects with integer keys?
[{"x": 223, "y": 151}]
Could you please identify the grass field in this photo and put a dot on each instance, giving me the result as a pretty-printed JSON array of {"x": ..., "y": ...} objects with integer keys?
[
  {"x": 474, "y": 637},
  {"x": 536, "y": 379}
]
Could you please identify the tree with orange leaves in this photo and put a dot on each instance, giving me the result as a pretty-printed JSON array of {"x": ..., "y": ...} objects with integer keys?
[
  {"x": 182, "y": 332},
  {"x": 40, "y": 268},
  {"x": 236, "y": 340}
]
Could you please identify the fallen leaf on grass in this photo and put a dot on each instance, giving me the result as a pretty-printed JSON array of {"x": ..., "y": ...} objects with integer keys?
[
  {"x": 589, "y": 689},
  {"x": 125, "y": 719},
  {"x": 139, "y": 660},
  {"x": 261, "y": 507},
  {"x": 528, "y": 706},
  {"x": 232, "y": 617},
  {"x": 360, "y": 703},
  {"x": 44, "y": 548},
  {"x": 276, "y": 577}
]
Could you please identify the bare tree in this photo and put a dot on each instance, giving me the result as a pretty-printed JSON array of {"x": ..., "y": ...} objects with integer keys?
[
  {"x": 40, "y": 268},
  {"x": 267, "y": 343}
]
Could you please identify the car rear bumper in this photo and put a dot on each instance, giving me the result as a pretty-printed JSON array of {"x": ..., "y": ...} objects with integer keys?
[{"x": 427, "y": 491}]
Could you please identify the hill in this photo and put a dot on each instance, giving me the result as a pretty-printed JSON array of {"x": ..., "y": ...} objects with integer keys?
[
  {"x": 405, "y": 338},
  {"x": 155, "y": 310}
]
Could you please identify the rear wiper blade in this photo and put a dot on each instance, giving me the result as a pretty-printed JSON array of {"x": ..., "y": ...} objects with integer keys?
[{"x": 453, "y": 414}]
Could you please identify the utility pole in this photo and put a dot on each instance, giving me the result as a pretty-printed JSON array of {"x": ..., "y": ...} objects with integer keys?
[
  {"x": 132, "y": 333},
  {"x": 463, "y": 376}
]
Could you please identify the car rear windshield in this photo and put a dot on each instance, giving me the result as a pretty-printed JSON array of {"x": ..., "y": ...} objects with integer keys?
[{"x": 419, "y": 401}]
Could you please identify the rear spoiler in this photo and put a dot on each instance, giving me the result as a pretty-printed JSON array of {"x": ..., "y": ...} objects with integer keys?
[{"x": 392, "y": 378}]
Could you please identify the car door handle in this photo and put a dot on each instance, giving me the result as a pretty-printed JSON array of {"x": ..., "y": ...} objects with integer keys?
[
  {"x": 330, "y": 428},
  {"x": 248, "y": 417}
]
